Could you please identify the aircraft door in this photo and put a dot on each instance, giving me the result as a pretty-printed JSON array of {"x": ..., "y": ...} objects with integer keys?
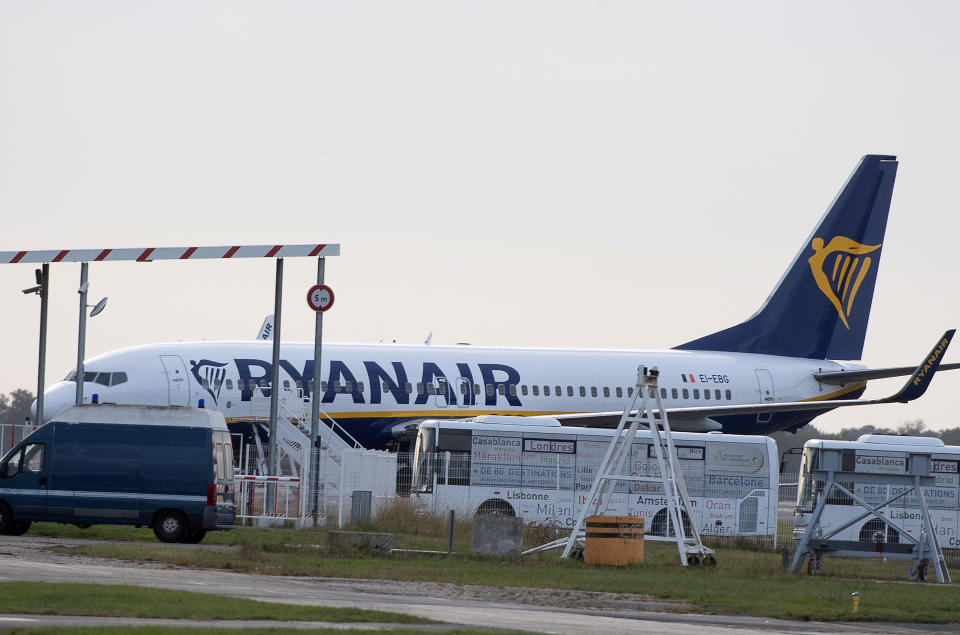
[
  {"x": 441, "y": 392},
  {"x": 767, "y": 395},
  {"x": 178, "y": 386},
  {"x": 465, "y": 390}
]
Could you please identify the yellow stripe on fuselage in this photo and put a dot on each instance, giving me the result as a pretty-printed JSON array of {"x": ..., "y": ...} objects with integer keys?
[
  {"x": 422, "y": 414},
  {"x": 838, "y": 393}
]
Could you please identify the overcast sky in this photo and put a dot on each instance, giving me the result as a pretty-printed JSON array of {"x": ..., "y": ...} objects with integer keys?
[{"x": 588, "y": 174}]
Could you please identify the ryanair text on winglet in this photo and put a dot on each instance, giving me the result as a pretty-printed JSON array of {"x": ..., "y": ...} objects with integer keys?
[{"x": 937, "y": 352}]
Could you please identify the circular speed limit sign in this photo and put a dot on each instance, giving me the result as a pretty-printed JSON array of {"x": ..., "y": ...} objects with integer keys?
[{"x": 320, "y": 297}]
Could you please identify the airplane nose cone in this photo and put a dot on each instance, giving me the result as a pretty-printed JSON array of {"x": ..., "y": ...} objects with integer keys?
[{"x": 55, "y": 400}]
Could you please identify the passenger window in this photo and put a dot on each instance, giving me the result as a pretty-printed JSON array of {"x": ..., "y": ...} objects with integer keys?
[
  {"x": 663, "y": 393},
  {"x": 409, "y": 388},
  {"x": 299, "y": 384},
  {"x": 619, "y": 392},
  {"x": 686, "y": 393},
  {"x": 583, "y": 391},
  {"x": 536, "y": 390},
  {"x": 286, "y": 384},
  {"x": 716, "y": 394},
  {"x": 652, "y": 393},
  {"x": 386, "y": 387},
  {"x": 476, "y": 389},
  {"x": 205, "y": 383},
  {"x": 696, "y": 393},
  {"x": 706, "y": 393},
  {"x": 229, "y": 384},
  {"x": 629, "y": 391},
  {"x": 323, "y": 386},
  {"x": 569, "y": 391},
  {"x": 593, "y": 391},
  {"x": 463, "y": 388},
  {"x": 606, "y": 391},
  {"x": 546, "y": 391},
  {"x": 360, "y": 386},
  {"x": 252, "y": 384},
  {"x": 490, "y": 390},
  {"x": 728, "y": 395},
  {"x": 673, "y": 393},
  {"x": 501, "y": 389},
  {"x": 523, "y": 390},
  {"x": 557, "y": 391},
  {"x": 263, "y": 383},
  {"x": 419, "y": 387},
  {"x": 348, "y": 386},
  {"x": 513, "y": 390},
  {"x": 431, "y": 389}
]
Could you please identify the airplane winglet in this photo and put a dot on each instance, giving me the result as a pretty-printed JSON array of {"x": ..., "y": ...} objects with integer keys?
[{"x": 923, "y": 375}]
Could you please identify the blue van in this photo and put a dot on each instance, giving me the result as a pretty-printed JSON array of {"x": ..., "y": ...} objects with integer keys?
[{"x": 167, "y": 467}]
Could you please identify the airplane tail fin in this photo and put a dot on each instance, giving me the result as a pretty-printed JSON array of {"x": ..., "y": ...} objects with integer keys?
[{"x": 820, "y": 307}]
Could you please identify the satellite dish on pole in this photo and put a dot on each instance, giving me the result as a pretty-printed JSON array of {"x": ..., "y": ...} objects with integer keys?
[{"x": 101, "y": 305}]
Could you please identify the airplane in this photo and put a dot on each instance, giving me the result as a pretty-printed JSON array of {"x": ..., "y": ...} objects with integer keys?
[{"x": 794, "y": 359}]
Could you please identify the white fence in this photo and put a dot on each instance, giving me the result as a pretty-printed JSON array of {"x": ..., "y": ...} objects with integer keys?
[
  {"x": 353, "y": 485},
  {"x": 12, "y": 434}
]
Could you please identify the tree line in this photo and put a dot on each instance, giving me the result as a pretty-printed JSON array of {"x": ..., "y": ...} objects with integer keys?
[{"x": 15, "y": 407}]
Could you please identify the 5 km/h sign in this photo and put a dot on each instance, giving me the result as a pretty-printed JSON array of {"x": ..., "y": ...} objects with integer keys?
[{"x": 320, "y": 297}]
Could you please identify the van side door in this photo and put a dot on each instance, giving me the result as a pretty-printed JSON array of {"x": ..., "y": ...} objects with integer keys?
[{"x": 25, "y": 478}]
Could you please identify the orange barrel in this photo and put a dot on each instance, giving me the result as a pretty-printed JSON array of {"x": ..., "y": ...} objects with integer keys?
[{"x": 614, "y": 540}]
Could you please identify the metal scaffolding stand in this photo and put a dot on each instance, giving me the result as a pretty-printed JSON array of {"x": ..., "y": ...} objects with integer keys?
[
  {"x": 639, "y": 412},
  {"x": 922, "y": 549}
]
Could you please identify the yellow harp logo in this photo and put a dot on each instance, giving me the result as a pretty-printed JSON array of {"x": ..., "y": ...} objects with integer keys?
[{"x": 847, "y": 270}]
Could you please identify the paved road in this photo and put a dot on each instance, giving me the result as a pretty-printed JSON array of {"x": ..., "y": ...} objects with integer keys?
[{"x": 25, "y": 558}]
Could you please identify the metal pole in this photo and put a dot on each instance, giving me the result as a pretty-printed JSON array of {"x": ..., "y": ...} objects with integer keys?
[
  {"x": 275, "y": 376},
  {"x": 81, "y": 337},
  {"x": 315, "y": 404},
  {"x": 450, "y": 535},
  {"x": 42, "y": 362}
]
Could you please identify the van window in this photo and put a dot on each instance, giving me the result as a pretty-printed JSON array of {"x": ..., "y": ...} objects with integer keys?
[{"x": 28, "y": 459}]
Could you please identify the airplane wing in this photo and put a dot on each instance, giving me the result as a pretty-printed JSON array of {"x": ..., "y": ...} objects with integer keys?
[
  {"x": 841, "y": 377},
  {"x": 698, "y": 417}
]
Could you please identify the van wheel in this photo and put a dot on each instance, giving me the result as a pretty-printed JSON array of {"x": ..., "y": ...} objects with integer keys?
[
  {"x": 7, "y": 525},
  {"x": 20, "y": 528},
  {"x": 170, "y": 526},
  {"x": 194, "y": 536}
]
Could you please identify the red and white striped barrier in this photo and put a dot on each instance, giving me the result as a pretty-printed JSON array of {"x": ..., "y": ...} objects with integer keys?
[
  {"x": 265, "y": 479},
  {"x": 149, "y": 254}
]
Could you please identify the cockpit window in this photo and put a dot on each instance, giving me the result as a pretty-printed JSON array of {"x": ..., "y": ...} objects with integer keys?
[{"x": 104, "y": 379}]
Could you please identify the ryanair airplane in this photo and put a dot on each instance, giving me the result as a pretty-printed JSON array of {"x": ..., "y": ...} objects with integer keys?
[{"x": 792, "y": 360}]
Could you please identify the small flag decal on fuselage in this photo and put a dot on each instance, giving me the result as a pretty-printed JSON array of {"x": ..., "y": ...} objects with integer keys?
[{"x": 688, "y": 379}]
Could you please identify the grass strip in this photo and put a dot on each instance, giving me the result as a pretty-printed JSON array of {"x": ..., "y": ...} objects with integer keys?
[
  {"x": 109, "y": 600},
  {"x": 744, "y": 582}
]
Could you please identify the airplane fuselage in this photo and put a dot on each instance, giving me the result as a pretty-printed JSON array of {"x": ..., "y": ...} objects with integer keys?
[{"x": 372, "y": 389}]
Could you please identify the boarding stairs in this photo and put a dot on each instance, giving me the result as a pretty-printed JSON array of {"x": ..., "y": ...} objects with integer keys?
[{"x": 645, "y": 409}]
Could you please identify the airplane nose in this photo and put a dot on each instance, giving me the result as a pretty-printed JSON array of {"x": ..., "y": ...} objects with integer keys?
[{"x": 56, "y": 399}]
